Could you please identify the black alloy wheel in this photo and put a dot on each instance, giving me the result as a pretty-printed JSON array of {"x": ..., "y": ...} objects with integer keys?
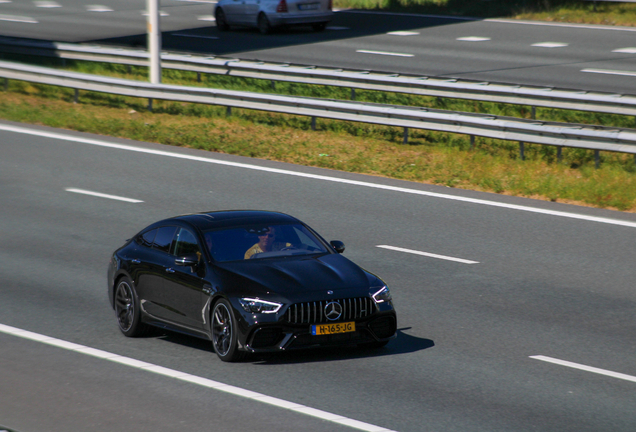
[
  {"x": 127, "y": 310},
  {"x": 263, "y": 24},
  {"x": 221, "y": 21},
  {"x": 224, "y": 337}
]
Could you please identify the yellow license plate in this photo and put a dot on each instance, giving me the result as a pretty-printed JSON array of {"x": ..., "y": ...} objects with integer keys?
[{"x": 326, "y": 329}]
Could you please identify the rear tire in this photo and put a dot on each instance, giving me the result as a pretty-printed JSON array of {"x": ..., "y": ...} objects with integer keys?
[
  {"x": 127, "y": 310},
  {"x": 263, "y": 24},
  {"x": 221, "y": 20},
  {"x": 224, "y": 336}
]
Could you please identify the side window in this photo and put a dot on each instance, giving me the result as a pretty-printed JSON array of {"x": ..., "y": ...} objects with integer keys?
[
  {"x": 163, "y": 240},
  {"x": 147, "y": 238},
  {"x": 186, "y": 244}
]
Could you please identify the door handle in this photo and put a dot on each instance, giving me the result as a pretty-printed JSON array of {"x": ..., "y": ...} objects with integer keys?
[
  {"x": 169, "y": 270},
  {"x": 135, "y": 261}
]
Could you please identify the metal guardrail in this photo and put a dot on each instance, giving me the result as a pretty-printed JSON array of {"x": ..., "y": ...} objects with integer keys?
[
  {"x": 506, "y": 128},
  {"x": 581, "y": 100}
]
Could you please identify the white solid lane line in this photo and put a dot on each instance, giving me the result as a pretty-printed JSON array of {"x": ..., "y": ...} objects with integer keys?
[
  {"x": 385, "y": 53},
  {"x": 585, "y": 368},
  {"x": 101, "y": 195},
  {"x": 609, "y": 72},
  {"x": 380, "y": 186},
  {"x": 204, "y": 382},
  {"x": 427, "y": 254}
]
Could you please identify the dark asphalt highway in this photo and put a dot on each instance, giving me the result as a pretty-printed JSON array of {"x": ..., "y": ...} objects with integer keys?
[
  {"x": 550, "y": 280},
  {"x": 593, "y": 58}
]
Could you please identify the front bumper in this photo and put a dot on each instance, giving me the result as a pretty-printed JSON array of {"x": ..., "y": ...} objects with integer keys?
[{"x": 379, "y": 327}]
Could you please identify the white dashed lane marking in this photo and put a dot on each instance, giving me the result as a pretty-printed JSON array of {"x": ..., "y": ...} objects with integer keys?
[
  {"x": 98, "y": 8},
  {"x": 15, "y": 18},
  {"x": 473, "y": 39},
  {"x": 585, "y": 368},
  {"x": 403, "y": 33},
  {"x": 427, "y": 254},
  {"x": 550, "y": 45},
  {"x": 610, "y": 72},
  {"x": 102, "y": 195},
  {"x": 630, "y": 50},
  {"x": 47, "y": 4},
  {"x": 385, "y": 53}
]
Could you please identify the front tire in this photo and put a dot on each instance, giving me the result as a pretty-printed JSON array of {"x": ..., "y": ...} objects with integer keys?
[
  {"x": 224, "y": 336},
  {"x": 263, "y": 24},
  {"x": 221, "y": 20},
  {"x": 127, "y": 310}
]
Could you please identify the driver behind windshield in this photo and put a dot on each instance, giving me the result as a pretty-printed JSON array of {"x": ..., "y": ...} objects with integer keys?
[{"x": 266, "y": 243}]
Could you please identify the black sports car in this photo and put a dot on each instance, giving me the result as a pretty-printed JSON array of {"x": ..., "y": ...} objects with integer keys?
[{"x": 249, "y": 281}]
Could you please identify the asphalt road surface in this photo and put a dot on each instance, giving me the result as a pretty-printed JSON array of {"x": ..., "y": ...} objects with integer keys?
[
  {"x": 593, "y": 58},
  {"x": 513, "y": 314}
]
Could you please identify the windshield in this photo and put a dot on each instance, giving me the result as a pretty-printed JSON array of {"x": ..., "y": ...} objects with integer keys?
[{"x": 259, "y": 241}]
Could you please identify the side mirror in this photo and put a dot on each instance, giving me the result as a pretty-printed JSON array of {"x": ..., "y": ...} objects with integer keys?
[
  {"x": 187, "y": 261},
  {"x": 338, "y": 246}
]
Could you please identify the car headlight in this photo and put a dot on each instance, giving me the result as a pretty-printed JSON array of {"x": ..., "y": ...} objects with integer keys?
[
  {"x": 382, "y": 295},
  {"x": 253, "y": 305}
]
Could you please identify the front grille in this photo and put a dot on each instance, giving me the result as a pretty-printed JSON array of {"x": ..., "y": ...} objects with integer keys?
[{"x": 314, "y": 312}]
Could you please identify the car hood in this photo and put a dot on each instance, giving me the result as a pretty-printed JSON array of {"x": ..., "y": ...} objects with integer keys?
[{"x": 292, "y": 277}]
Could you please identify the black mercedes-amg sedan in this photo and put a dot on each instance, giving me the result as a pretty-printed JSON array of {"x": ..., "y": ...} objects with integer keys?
[{"x": 249, "y": 281}]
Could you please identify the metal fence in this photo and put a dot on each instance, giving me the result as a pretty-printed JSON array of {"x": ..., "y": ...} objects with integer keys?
[{"x": 596, "y": 138}]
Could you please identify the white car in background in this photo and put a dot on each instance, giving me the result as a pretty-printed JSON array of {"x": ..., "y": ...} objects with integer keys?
[{"x": 267, "y": 14}]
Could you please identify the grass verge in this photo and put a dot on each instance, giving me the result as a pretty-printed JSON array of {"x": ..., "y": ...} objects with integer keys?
[{"x": 572, "y": 11}]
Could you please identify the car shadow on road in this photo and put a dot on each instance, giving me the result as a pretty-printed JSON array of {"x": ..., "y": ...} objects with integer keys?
[{"x": 403, "y": 344}]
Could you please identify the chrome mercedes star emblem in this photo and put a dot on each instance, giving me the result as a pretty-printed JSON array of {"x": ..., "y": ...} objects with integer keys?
[
  {"x": 333, "y": 310},
  {"x": 330, "y": 292}
]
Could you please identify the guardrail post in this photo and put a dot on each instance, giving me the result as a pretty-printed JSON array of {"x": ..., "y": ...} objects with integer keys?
[
  {"x": 559, "y": 154},
  {"x": 150, "y": 104},
  {"x": 76, "y": 96},
  {"x": 273, "y": 85},
  {"x": 353, "y": 94},
  {"x": 6, "y": 84},
  {"x": 198, "y": 76},
  {"x": 597, "y": 158},
  {"x": 228, "y": 112},
  {"x": 406, "y": 135},
  {"x": 534, "y": 113},
  {"x": 313, "y": 123},
  {"x": 521, "y": 150},
  {"x": 472, "y": 142}
]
